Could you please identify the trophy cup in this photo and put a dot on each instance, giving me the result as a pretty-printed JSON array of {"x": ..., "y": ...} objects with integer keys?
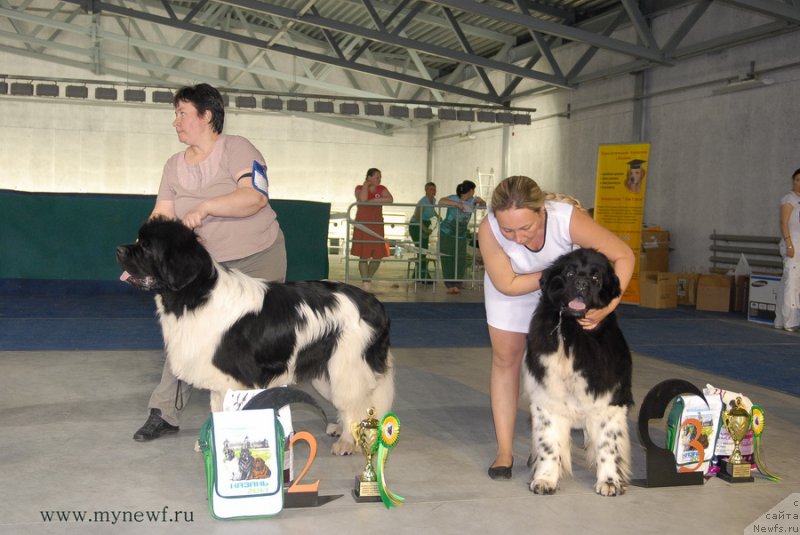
[
  {"x": 737, "y": 422},
  {"x": 365, "y": 434}
]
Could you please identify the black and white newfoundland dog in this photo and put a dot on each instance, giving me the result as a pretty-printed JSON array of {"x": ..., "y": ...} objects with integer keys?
[
  {"x": 224, "y": 330},
  {"x": 578, "y": 378}
]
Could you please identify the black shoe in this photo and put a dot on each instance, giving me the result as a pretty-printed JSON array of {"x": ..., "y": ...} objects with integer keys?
[
  {"x": 154, "y": 427},
  {"x": 501, "y": 472}
]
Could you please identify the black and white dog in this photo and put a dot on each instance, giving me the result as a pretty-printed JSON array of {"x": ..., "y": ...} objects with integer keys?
[
  {"x": 578, "y": 378},
  {"x": 224, "y": 330}
]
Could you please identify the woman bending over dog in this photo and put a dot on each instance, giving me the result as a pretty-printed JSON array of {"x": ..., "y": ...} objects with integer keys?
[{"x": 525, "y": 230}]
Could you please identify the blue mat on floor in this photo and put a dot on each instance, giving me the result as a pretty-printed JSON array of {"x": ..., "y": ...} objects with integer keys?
[{"x": 107, "y": 315}]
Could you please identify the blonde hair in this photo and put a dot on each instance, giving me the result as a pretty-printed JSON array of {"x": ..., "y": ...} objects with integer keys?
[{"x": 519, "y": 191}]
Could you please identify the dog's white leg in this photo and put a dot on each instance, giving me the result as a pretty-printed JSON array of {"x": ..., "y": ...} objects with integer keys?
[
  {"x": 321, "y": 385},
  {"x": 551, "y": 449},
  {"x": 610, "y": 449},
  {"x": 216, "y": 398},
  {"x": 354, "y": 389}
]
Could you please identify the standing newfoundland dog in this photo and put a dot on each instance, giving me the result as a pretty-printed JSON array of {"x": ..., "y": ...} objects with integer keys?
[
  {"x": 577, "y": 377},
  {"x": 224, "y": 330}
]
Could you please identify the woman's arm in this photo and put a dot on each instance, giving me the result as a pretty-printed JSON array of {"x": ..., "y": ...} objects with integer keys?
[
  {"x": 587, "y": 233},
  {"x": 164, "y": 209},
  {"x": 362, "y": 192},
  {"x": 498, "y": 265},
  {"x": 786, "y": 213},
  {"x": 385, "y": 196},
  {"x": 450, "y": 202},
  {"x": 243, "y": 202}
]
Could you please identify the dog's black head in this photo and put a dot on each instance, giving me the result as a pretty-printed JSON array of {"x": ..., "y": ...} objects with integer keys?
[
  {"x": 166, "y": 256},
  {"x": 578, "y": 281}
]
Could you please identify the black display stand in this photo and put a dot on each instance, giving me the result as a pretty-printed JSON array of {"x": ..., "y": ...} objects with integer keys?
[{"x": 661, "y": 471}]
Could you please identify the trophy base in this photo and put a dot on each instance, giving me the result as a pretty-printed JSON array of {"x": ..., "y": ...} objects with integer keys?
[
  {"x": 735, "y": 473},
  {"x": 366, "y": 491}
]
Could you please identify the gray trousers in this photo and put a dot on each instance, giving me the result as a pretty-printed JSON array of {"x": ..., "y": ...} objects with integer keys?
[{"x": 171, "y": 393}]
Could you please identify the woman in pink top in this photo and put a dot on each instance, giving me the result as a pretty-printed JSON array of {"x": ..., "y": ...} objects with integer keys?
[{"x": 209, "y": 187}]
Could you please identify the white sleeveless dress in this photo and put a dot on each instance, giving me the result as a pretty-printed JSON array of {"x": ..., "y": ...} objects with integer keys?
[{"x": 513, "y": 313}]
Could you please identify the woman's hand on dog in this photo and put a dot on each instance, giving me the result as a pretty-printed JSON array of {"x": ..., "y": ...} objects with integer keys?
[
  {"x": 194, "y": 218},
  {"x": 595, "y": 316}
]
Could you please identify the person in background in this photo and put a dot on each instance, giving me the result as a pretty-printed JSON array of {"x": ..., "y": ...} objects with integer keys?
[
  {"x": 787, "y": 312},
  {"x": 454, "y": 233},
  {"x": 525, "y": 230},
  {"x": 368, "y": 242},
  {"x": 208, "y": 186},
  {"x": 419, "y": 228}
]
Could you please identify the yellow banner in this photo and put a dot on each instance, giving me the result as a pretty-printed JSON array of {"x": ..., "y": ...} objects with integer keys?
[{"x": 619, "y": 198}]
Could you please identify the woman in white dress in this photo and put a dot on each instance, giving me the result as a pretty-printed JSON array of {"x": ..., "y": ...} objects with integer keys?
[
  {"x": 787, "y": 314},
  {"x": 525, "y": 230}
]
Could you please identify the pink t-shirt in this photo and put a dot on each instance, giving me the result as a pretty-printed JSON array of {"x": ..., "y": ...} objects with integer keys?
[{"x": 226, "y": 238}]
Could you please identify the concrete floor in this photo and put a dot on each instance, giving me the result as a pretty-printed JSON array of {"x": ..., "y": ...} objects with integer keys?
[{"x": 68, "y": 417}]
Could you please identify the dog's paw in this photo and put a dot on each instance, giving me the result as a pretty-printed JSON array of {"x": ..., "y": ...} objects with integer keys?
[
  {"x": 541, "y": 486},
  {"x": 343, "y": 447},
  {"x": 333, "y": 429},
  {"x": 609, "y": 488}
]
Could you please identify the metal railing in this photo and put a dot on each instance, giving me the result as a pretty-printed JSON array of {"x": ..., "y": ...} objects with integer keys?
[{"x": 403, "y": 262}]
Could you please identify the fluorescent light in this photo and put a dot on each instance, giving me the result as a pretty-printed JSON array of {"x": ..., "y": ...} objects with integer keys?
[
  {"x": 134, "y": 95},
  {"x": 245, "y": 102},
  {"x": 323, "y": 106},
  {"x": 398, "y": 111},
  {"x": 162, "y": 97},
  {"x": 20, "y": 88},
  {"x": 273, "y": 104},
  {"x": 47, "y": 90},
  {"x": 77, "y": 91}
]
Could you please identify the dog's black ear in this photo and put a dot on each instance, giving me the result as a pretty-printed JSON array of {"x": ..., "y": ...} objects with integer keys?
[
  {"x": 178, "y": 277},
  {"x": 180, "y": 258},
  {"x": 611, "y": 282}
]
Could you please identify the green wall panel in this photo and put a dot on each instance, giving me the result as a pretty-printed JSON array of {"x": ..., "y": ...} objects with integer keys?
[{"x": 74, "y": 236}]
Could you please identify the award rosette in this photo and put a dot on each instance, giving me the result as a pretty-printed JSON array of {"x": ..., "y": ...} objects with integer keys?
[
  {"x": 389, "y": 435},
  {"x": 758, "y": 428}
]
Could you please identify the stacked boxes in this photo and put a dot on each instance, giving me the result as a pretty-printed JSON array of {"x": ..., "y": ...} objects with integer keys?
[
  {"x": 658, "y": 289},
  {"x": 714, "y": 292}
]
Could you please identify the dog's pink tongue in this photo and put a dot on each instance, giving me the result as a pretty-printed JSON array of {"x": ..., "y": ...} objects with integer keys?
[
  {"x": 125, "y": 276},
  {"x": 577, "y": 304}
]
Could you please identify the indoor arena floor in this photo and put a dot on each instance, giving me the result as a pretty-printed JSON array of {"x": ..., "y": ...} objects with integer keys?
[{"x": 69, "y": 464}]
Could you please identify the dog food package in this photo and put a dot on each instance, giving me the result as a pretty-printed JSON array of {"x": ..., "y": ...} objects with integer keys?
[
  {"x": 692, "y": 430},
  {"x": 236, "y": 400},
  {"x": 725, "y": 444},
  {"x": 243, "y": 454}
]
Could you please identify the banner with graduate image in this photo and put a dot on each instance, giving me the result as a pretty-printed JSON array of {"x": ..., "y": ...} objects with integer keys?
[{"x": 619, "y": 198}]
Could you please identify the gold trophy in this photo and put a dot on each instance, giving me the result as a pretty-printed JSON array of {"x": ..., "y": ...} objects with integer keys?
[
  {"x": 365, "y": 434},
  {"x": 737, "y": 421}
]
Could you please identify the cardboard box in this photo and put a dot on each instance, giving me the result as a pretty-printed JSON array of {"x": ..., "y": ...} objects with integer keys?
[
  {"x": 658, "y": 289},
  {"x": 714, "y": 292},
  {"x": 687, "y": 288},
  {"x": 655, "y": 250},
  {"x": 763, "y": 298}
]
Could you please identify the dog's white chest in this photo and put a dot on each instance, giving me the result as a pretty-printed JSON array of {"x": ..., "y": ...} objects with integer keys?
[{"x": 562, "y": 388}]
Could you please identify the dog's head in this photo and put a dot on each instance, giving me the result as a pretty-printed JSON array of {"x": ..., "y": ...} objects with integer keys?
[
  {"x": 166, "y": 256},
  {"x": 578, "y": 281}
]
